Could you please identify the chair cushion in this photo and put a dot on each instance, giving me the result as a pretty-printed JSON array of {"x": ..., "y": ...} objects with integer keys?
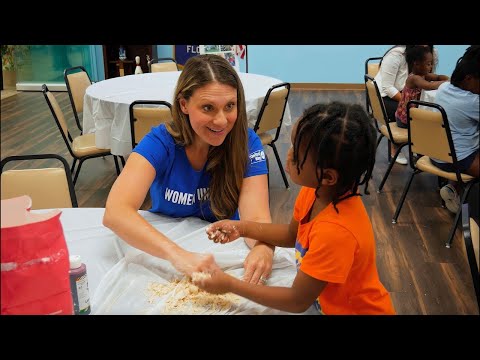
[
  {"x": 424, "y": 164},
  {"x": 399, "y": 135},
  {"x": 84, "y": 145},
  {"x": 47, "y": 187}
]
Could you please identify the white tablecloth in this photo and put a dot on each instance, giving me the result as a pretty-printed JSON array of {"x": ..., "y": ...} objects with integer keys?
[
  {"x": 106, "y": 103},
  {"x": 428, "y": 95},
  {"x": 118, "y": 274}
]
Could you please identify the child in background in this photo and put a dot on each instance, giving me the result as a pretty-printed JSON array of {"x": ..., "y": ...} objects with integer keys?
[
  {"x": 460, "y": 100},
  {"x": 333, "y": 153},
  {"x": 420, "y": 63}
]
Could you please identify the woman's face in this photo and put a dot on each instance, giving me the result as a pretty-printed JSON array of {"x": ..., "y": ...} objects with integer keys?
[{"x": 212, "y": 110}]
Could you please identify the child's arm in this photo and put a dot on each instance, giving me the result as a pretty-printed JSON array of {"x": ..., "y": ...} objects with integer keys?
[
  {"x": 435, "y": 77},
  {"x": 298, "y": 298},
  {"x": 283, "y": 235},
  {"x": 419, "y": 82}
]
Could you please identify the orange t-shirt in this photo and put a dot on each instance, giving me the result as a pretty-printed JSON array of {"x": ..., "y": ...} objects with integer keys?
[{"x": 339, "y": 248}]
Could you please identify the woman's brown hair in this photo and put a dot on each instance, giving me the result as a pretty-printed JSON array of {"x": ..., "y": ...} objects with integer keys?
[{"x": 226, "y": 163}]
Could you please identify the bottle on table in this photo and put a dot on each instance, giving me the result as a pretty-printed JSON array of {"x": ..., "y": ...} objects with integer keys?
[{"x": 79, "y": 286}]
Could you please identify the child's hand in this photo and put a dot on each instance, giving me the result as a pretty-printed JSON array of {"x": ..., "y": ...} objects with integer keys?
[
  {"x": 190, "y": 262},
  {"x": 224, "y": 231},
  {"x": 215, "y": 282}
]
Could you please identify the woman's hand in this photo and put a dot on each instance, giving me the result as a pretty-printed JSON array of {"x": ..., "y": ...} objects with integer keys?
[
  {"x": 258, "y": 264},
  {"x": 189, "y": 262},
  {"x": 216, "y": 282},
  {"x": 224, "y": 231}
]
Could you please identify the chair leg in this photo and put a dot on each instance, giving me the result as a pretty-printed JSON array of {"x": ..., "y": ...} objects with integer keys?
[
  {"x": 116, "y": 164},
  {"x": 404, "y": 195},
  {"x": 78, "y": 171},
  {"x": 378, "y": 140},
  {"x": 122, "y": 159},
  {"x": 392, "y": 162},
  {"x": 73, "y": 165},
  {"x": 389, "y": 151},
  {"x": 280, "y": 165},
  {"x": 466, "y": 191}
]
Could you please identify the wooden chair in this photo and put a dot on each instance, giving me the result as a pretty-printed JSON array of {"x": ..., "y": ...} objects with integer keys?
[
  {"x": 371, "y": 69},
  {"x": 389, "y": 130},
  {"x": 82, "y": 147},
  {"x": 142, "y": 119},
  {"x": 77, "y": 83},
  {"x": 47, "y": 187},
  {"x": 162, "y": 64},
  {"x": 270, "y": 118},
  {"x": 471, "y": 239},
  {"x": 429, "y": 135}
]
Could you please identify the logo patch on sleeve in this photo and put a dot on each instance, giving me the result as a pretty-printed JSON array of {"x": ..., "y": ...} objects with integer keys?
[{"x": 257, "y": 156}]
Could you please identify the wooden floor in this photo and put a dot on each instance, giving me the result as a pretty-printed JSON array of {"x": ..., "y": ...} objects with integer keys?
[{"x": 422, "y": 275}]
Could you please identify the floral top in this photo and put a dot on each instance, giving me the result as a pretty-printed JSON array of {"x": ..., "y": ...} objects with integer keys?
[{"x": 407, "y": 95}]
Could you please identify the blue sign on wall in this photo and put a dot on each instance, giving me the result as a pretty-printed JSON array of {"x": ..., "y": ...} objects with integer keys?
[{"x": 185, "y": 52}]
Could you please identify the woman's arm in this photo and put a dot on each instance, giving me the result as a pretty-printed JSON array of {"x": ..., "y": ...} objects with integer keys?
[
  {"x": 253, "y": 202},
  {"x": 391, "y": 66},
  {"x": 298, "y": 298},
  {"x": 122, "y": 217},
  {"x": 253, "y": 206}
]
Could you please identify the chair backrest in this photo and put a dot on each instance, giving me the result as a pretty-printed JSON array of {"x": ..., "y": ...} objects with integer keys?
[
  {"x": 142, "y": 119},
  {"x": 429, "y": 132},
  {"x": 162, "y": 64},
  {"x": 77, "y": 81},
  {"x": 471, "y": 239},
  {"x": 371, "y": 67},
  {"x": 271, "y": 113},
  {"x": 47, "y": 187},
  {"x": 376, "y": 102},
  {"x": 474, "y": 231},
  {"x": 58, "y": 116}
]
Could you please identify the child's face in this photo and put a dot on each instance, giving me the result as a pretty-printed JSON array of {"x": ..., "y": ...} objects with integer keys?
[
  {"x": 308, "y": 173},
  {"x": 426, "y": 66}
]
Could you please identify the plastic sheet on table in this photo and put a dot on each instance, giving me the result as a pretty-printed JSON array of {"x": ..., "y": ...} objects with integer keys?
[{"x": 125, "y": 288}]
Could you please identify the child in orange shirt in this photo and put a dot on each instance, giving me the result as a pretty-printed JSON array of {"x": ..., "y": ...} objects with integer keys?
[{"x": 333, "y": 153}]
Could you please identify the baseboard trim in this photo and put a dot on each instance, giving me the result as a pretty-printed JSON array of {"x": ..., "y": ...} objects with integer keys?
[
  {"x": 326, "y": 86},
  {"x": 38, "y": 86}
]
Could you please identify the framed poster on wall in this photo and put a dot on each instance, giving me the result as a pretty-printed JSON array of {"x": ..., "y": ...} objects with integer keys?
[{"x": 225, "y": 51}]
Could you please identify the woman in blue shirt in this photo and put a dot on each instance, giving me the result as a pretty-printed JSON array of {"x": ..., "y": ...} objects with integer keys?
[{"x": 206, "y": 163}]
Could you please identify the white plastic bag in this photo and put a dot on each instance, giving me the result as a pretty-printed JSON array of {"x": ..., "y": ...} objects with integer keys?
[{"x": 124, "y": 289}]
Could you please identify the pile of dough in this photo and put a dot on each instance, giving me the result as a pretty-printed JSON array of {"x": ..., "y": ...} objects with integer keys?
[{"x": 186, "y": 298}]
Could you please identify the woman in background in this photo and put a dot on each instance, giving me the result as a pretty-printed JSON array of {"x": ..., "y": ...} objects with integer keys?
[{"x": 391, "y": 77}]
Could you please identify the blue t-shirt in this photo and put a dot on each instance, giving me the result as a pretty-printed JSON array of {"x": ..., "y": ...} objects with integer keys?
[
  {"x": 177, "y": 188},
  {"x": 463, "y": 109}
]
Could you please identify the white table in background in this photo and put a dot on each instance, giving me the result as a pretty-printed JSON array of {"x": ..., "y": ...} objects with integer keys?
[
  {"x": 106, "y": 103},
  {"x": 428, "y": 95}
]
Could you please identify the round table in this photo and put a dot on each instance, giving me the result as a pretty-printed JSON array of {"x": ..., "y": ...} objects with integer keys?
[{"x": 106, "y": 104}]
